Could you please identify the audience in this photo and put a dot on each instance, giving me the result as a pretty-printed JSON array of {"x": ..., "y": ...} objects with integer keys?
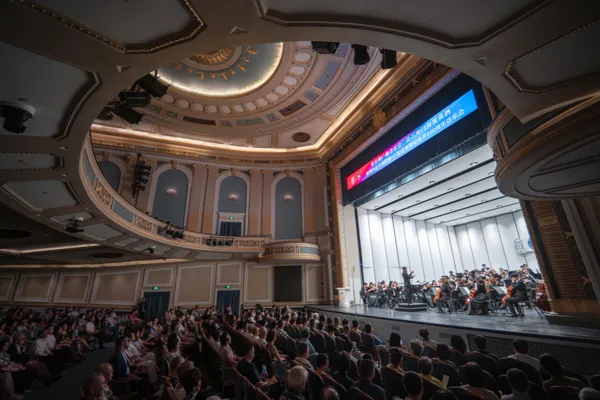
[{"x": 183, "y": 342}]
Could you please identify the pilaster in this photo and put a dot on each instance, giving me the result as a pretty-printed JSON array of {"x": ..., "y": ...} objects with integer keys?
[
  {"x": 255, "y": 204},
  {"x": 209, "y": 200},
  {"x": 198, "y": 191}
]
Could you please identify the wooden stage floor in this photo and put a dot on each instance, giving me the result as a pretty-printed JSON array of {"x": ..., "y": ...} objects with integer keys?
[{"x": 531, "y": 325}]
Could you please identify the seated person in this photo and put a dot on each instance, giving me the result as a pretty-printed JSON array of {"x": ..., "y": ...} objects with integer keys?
[
  {"x": 120, "y": 362},
  {"x": 395, "y": 360},
  {"x": 365, "y": 384},
  {"x": 481, "y": 344},
  {"x": 519, "y": 383},
  {"x": 44, "y": 354},
  {"x": 442, "y": 352},
  {"x": 191, "y": 382},
  {"x": 425, "y": 366},
  {"x": 296, "y": 380},
  {"x": 249, "y": 371},
  {"x": 343, "y": 366},
  {"x": 226, "y": 354},
  {"x": 322, "y": 365},
  {"x": 475, "y": 378},
  {"x": 94, "y": 387},
  {"x": 302, "y": 357},
  {"x": 521, "y": 348},
  {"x": 553, "y": 367},
  {"x": 416, "y": 346},
  {"x": 413, "y": 384},
  {"x": 369, "y": 331},
  {"x": 304, "y": 335}
]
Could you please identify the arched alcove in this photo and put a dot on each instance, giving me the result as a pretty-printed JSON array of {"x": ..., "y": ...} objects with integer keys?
[
  {"x": 112, "y": 173},
  {"x": 232, "y": 200},
  {"x": 288, "y": 209},
  {"x": 170, "y": 197}
]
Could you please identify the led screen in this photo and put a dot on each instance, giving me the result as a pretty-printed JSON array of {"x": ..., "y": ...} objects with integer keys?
[{"x": 445, "y": 118}]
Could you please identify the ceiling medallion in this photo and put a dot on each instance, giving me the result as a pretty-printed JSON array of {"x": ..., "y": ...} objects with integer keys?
[
  {"x": 213, "y": 57},
  {"x": 301, "y": 137}
]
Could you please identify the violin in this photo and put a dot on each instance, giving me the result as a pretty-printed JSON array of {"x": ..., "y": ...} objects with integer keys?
[
  {"x": 509, "y": 293},
  {"x": 437, "y": 296}
]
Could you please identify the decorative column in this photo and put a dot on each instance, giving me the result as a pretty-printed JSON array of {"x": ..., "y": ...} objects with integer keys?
[
  {"x": 194, "y": 221},
  {"x": 267, "y": 206},
  {"x": 568, "y": 285},
  {"x": 208, "y": 215},
  {"x": 309, "y": 203},
  {"x": 255, "y": 208},
  {"x": 143, "y": 199}
]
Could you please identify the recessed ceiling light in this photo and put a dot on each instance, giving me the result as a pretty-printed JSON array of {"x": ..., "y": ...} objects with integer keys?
[
  {"x": 418, "y": 201},
  {"x": 467, "y": 194},
  {"x": 449, "y": 189},
  {"x": 409, "y": 214},
  {"x": 430, "y": 182},
  {"x": 491, "y": 173},
  {"x": 452, "y": 209},
  {"x": 474, "y": 163},
  {"x": 483, "y": 201},
  {"x": 394, "y": 210},
  {"x": 468, "y": 215}
]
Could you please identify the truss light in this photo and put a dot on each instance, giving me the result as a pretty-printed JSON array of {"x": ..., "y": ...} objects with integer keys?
[
  {"x": 361, "y": 54},
  {"x": 388, "y": 59},
  {"x": 151, "y": 85}
]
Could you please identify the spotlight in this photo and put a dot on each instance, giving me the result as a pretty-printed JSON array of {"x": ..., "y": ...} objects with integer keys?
[
  {"x": 73, "y": 226},
  {"x": 325, "y": 47},
  {"x": 15, "y": 115},
  {"x": 388, "y": 59},
  {"x": 152, "y": 85},
  {"x": 361, "y": 54},
  {"x": 135, "y": 99},
  {"x": 127, "y": 113},
  {"x": 151, "y": 249}
]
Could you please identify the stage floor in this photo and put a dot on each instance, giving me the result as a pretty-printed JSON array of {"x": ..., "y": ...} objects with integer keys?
[{"x": 531, "y": 325}]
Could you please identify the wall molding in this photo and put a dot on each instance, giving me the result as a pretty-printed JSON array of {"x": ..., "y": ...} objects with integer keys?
[
  {"x": 59, "y": 286},
  {"x": 211, "y": 289},
  {"x": 46, "y": 298},
  {"x": 94, "y": 299}
]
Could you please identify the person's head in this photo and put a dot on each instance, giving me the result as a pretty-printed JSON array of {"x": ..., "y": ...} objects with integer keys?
[
  {"x": 551, "y": 364},
  {"x": 343, "y": 361},
  {"x": 106, "y": 370},
  {"x": 355, "y": 324},
  {"x": 262, "y": 332},
  {"x": 514, "y": 277},
  {"x": 458, "y": 343},
  {"x": 44, "y": 333},
  {"x": 304, "y": 333},
  {"x": 413, "y": 384},
  {"x": 4, "y": 345},
  {"x": 395, "y": 356},
  {"x": 175, "y": 363},
  {"x": 442, "y": 351},
  {"x": 480, "y": 342},
  {"x": 191, "y": 380},
  {"x": 50, "y": 329},
  {"x": 271, "y": 336},
  {"x": 93, "y": 386},
  {"x": 296, "y": 379},
  {"x": 424, "y": 333},
  {"x": 303, "y": 350},
  {"x": 368, "y": 328},
  {"x": 395, "y": 339},
  {"x": 474, "y": 375},
  {"x": 248, "y": 351},
  {"x": 425, "y": 365},
  {"x": 367, "y": 369},
  {"x": 172, "y": 342},
  {"x": 120, "y": 344},
  {"x": 416, "y": 346},
  {"x": 322, "y": 361},
  {"x": 330, "y": 393},
  {"x": 589, "y": 394},
  {"x": 521, "y": 346},
  {"x": 518, "y": 380},
  {"x": 225, "y": 339}
]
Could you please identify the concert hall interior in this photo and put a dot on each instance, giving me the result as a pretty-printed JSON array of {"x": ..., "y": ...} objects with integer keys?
[{"x": 246, "y": 170}]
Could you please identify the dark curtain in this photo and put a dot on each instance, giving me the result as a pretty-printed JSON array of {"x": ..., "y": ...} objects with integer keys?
[
  {"x": 226, "y": 298},
  {"x": 230, "y": 229},
  {"x": 156, "y": 304}
]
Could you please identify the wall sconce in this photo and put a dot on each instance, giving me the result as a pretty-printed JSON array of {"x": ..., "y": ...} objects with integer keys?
[
  {"x": 234, "y": 197},
  {"x": 288, "y": 197},
  {"x": 171, "y": 192}
]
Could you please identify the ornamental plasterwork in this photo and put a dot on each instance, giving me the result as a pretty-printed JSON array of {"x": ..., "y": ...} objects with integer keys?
[{"x": 143, "y": 224}]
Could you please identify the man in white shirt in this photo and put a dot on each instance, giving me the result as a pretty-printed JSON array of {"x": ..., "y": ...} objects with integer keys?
[
  {"x": 41, "y": 349},
  {"x": 147, "y": 366},
  {"x": 51, "y": 339},
  {"x": 521, "y": 349}
]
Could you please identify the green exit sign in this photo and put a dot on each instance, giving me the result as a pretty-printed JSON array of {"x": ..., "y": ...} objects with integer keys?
[
  {"x": 230, "y": 217},
  {"x": 155, "y": 288},
  {"x": 227, "y": 286}
]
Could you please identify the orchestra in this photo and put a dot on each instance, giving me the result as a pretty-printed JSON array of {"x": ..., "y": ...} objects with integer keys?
[{"x": 478, "y": 292}]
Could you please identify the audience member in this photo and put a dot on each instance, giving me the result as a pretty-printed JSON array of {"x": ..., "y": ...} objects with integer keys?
[
  {"x": 297, "y": 379},
  {"x": 365, "y": 383},
  {"x": 553, "y": 367},
  {"x": 413, "y": 384},
  {"x": 475, "y": 382},
  {"x": 425, "y": 366},
  {"x": 519, "y": 383},
  {"x": 521, "y": 348}
]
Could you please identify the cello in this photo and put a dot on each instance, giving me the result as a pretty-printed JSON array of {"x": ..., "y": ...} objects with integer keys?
[
  {"x": 509, "y": 293},
  {"x": 437, "y": 296}
]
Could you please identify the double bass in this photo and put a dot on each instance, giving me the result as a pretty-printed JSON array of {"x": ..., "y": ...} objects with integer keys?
[
  {"x": 509, "y": 293},
  {"x": 437, "y": 296}
]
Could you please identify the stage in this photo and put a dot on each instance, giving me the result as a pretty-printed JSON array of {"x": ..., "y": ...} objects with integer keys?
[{"x": 532, "y": 325}]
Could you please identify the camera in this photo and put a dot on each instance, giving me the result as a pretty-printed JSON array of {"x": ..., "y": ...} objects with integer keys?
[{"x": 15, "y": 115}]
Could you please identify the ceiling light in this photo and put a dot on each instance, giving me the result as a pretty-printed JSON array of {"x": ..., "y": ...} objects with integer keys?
[
  {"x": 361, "y": 54},
  {"x": 394, "y": 211},
  {"x": 288, "y": 197},
  {"x": 452, "y": 209},
  {"x": 151, "y": 85},
  {"x": 498, "y": 206},
  {"x": 491, "y": 173},
  {"x": 483, "y": 201},
  {"x": 436, "y": 205},
  {"x": 171, "y": 192},
  {"x": 430, "y": 182},
  {"x": 418, "y": 201},
  {"x": 388, "y": 59},
  {"x": 449, "y": 189},
  {"x": 400, "y": 195},
  {"x": 474, "y": 163},
  {"x": 233, "y": 197},
  {"x": 127, "y": 113},
  {"x": 467, "y": 194},
  {"x": 325, "y": 47}
]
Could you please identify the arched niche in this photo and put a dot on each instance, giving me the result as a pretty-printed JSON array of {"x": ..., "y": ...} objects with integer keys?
[
  {"x": 170, "y": 196},
  {"x": 288, "y": 203},
  {"x": 231, "y": 204},
  {"x": 112, "y": 174}
]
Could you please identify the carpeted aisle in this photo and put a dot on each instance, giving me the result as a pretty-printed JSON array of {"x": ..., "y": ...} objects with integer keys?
[{"x": 68, "y": 386}]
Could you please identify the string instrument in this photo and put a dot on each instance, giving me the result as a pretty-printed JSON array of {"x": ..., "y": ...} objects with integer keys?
[
  {"x": 541, "y": 297},
  {"x": 437, "y": 296},
  {"x": 509, "y": 293},
  {"x": 472, "y": 294}
]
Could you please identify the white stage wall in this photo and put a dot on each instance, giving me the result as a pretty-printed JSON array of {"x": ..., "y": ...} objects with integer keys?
[{"x": 389, "y": 242}]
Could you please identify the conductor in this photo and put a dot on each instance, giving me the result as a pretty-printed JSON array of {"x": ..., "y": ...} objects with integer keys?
[{"x": 407, "y": 277}]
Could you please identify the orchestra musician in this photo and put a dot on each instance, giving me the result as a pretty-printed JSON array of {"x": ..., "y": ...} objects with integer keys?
[
  {"x": 477, "y": 300},
  {"x": 406, "y": 277},
  {"x": 444, "y": 294},
  {"x": 518, "y": 293}
]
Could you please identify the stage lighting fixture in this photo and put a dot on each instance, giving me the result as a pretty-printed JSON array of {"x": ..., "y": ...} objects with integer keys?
[
  {"x": 127, "y": 113},
  {"x": 361, "y": 54},
  {"x": 325, "y": 47},
  {"x": 135, "y": 99},
  {"x": 388, "y": 59},
  {"x": 152, "y": 85}
]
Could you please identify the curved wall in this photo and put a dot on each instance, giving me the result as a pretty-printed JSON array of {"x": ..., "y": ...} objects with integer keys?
[
  {"x": 288, "y": 210},
  {"x": 170, "y": 197}
]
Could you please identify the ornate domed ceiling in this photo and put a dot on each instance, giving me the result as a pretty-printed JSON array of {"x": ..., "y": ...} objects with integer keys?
[{"x": 261, "y": 96}]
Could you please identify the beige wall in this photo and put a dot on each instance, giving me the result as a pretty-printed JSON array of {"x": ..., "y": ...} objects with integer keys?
[{"x": 190, "y": 283}]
